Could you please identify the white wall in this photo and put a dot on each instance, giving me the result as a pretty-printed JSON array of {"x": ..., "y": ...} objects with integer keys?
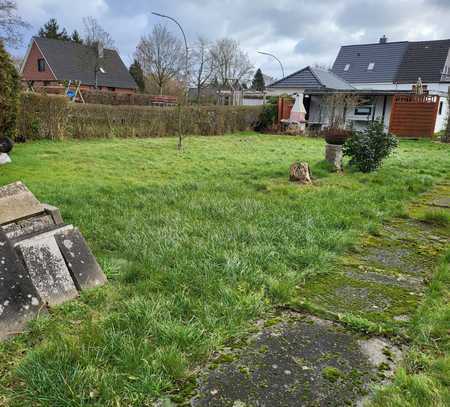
[
  {"x": 252, "y": 101},
  {"x": 441, "y": 120}
]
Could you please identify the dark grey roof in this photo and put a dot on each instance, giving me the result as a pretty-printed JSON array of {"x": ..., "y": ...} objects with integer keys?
[
  {"x": 424, "y": 59},
  {"x": 311, "y": 78},
  {"x": 386, "y": 56},
  {"x": 71, "y": 61}
]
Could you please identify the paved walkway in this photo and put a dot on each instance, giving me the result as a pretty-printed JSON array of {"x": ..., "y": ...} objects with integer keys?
[{"x": 306, "y": 359}]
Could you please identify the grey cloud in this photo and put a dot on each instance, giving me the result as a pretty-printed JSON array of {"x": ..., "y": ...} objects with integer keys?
[{"x": 299, "y": 32}]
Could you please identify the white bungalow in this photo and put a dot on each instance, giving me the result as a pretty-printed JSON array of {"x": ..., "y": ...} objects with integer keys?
[{"x": 383, "y": 73}]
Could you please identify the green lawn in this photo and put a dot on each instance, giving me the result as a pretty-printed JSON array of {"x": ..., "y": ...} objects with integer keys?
[{"x": 196, "y": 245}]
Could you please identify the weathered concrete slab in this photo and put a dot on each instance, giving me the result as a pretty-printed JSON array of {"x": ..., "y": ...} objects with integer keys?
[
  {"x": 48, "y": 233},
  {"x": 17, "y": 202},
  {"x": 81, "y": 262},
  {"x": 402, "y": 281},
  {"x": 54, "y": 212},
  {"x": 309, "y": 362},
  {"x": 28, "y": 226},
  {"x": 442, "y": 202},
  {"x": 19, "y": 300},
  {"x": 403, "y": 259},
  {"x": 47, "y": 269}
]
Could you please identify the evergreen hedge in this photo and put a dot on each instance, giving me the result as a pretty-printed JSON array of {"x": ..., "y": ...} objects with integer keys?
[
  {"x": 53, "y": 117},
  {"x": 9, "y": 94}
]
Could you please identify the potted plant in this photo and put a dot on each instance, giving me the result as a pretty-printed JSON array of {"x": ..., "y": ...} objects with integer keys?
[
  {"x": 335, "y": 135},
  {"x": 336, "y": 106}
]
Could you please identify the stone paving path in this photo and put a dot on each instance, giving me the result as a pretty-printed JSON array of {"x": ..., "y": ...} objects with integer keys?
[{"x": 299, "y": 359}]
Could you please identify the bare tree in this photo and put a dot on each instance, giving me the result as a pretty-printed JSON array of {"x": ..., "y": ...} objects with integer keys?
[
  {"x": 202, "y": 64},
  {"x": 161, "y": 56},
  {"x": 94, "y": 34},
  {"x": 10, "y": 23},
  {"x": 230, "y": 61},
  {"x": 336, "y": 105}
]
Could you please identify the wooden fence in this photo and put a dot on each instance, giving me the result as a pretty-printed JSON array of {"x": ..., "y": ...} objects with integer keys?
[{"x": 413, "y": 115}]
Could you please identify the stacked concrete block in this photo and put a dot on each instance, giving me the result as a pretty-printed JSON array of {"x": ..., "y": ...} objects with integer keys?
[{"x": 43, "y": 262}]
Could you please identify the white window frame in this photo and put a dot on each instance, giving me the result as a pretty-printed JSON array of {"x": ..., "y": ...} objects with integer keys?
[{"x": 371, "y": 66}]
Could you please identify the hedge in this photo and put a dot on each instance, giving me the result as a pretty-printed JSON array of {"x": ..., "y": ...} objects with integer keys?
[
  {"x": 9, "y": 94},
  {"x": 53, "y": 117}
]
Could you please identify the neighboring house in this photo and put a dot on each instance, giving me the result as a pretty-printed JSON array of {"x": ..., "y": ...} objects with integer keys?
[
  {"x": 378, "y": 72},
  {"x": 50, "y": 62}
]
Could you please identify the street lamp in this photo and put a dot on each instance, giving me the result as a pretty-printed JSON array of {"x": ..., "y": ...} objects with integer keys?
[
  {"x": 180, "y": 136},
  {"x": 184, "y": 37},
  {"x": 273, "y": 56}
]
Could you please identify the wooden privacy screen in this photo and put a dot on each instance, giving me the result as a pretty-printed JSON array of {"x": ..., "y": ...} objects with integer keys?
[
  {"x": 413, "y": 115},
  {"x": 285, "y": 105}
]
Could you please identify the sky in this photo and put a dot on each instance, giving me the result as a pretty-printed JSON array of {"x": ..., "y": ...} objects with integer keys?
[{"x": 298, "y": 32}]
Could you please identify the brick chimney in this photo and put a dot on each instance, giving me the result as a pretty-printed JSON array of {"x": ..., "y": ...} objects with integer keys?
[{"x": 383, "y": 40}]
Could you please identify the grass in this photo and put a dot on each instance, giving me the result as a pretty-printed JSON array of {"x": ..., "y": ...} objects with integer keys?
[
  {"x": 439, "y": 217},
  {"x": 424, "y": 378},
  {"x": 196, "y": 245}
]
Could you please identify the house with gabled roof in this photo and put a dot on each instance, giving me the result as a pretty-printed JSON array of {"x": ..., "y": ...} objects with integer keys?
[
  {"x": 384, "y": 75},
  {"x": 50, "y": 62}
]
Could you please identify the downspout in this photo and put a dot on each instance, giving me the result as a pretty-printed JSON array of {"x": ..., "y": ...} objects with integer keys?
[{"x": 384, "y": 109}]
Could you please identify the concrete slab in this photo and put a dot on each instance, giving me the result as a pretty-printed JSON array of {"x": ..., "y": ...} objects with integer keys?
[
  {"x": 19, "y": 300},
  {"x": 28, "y": 226},
  {"x": 47, "y": 269},
  {"x": 54, "y": 212},
  {"x": 48, "y": 233},
  {"x": 307, "y": 362},
  {"x": 81, "y": 262},
  {"x": 17, "y": 202},
  {"x": 441, "y": 202},
  {"x": 402, "y": 281}
]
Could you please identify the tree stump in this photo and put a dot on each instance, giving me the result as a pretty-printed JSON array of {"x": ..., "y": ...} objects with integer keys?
[{"x": 300, "y": 172}]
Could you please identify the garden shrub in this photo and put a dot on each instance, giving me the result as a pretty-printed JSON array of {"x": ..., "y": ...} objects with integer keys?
[
  {"x": 9, "y": 94},
  {"x": 267, "y": 118},
  {"x": 368, "y": 148}
]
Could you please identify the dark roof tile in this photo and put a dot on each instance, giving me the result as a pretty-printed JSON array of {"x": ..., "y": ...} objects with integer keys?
[
  {"x": 72, "y": 61},
  {"x": 424, "y": 59},
  {"x": 312, "y": 78},
  {"x": 387, "y": 58}
]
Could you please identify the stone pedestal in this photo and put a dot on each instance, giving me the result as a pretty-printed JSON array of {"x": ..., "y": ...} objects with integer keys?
[{"x": 334, "y": 155}]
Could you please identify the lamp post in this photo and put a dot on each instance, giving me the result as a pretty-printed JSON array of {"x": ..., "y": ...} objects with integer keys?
[
  {"x": 184, "y": 37},
  {"x": 180, "y": 136},
  {"x": 273, "y": 56}
]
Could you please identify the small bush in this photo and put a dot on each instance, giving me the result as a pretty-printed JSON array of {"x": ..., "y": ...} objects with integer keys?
[
  {"x": 368, "y": 148},
  {"x": 267, "y": 117},
  {"x": 9, "y": 94}
]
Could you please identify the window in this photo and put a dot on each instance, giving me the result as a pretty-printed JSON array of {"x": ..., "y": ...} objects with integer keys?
[
  {"x": 41, "y": 64},
  {"x": 346, "y": 67},
  {"x": 441, "y": 105},
  {"x": 363, "y": 111},
  {"x": 371, "y": 66}
]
